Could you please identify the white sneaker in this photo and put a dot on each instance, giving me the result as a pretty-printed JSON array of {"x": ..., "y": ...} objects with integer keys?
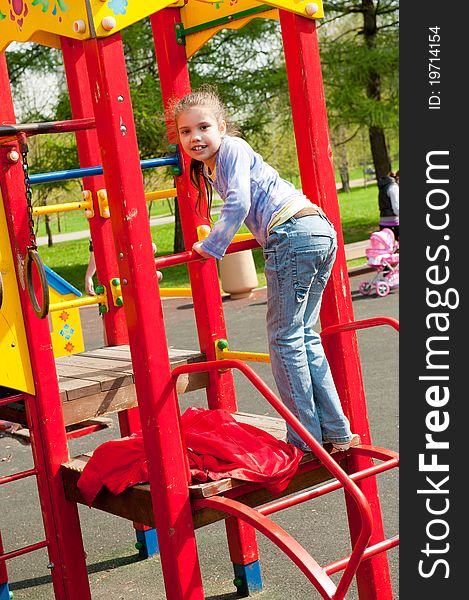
[{"x": 353, "y": 441}]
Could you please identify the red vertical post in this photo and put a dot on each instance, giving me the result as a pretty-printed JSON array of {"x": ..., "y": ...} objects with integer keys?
[
  {"x": 90, "y": 156},
  {"x": 100, "y": 227},
  {"x": 318, "y": 183},
  {"x": 142, "y": 303},
  {"x": 208, "y": 307},
  {"x": 48, "y": 439},
  {"x": 175, "y": 83},
  {"x": 3, "y": 567}
]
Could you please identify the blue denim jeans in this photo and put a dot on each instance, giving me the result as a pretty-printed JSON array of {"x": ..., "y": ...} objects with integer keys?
[{"x": 299, "y": 255}]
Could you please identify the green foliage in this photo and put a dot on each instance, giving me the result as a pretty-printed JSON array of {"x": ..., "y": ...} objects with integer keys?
[
  {"x": 359, "y": 217},
  {"x": 26, "y": 59},
  {"x": 248, "y": 69}
]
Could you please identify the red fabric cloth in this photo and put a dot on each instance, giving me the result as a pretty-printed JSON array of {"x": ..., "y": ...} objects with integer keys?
[{"x": 217, "y": 446}]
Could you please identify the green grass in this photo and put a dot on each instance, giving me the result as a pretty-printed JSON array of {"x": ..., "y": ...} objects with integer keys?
[
  {"x": 359, "y": 217},
  {"x": 76, "y": 221}
]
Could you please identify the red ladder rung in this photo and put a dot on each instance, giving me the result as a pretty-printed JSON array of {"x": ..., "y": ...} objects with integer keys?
[
  {"x": 293, "y": 500},
  {"x": 11, "y": 399},
  {"x": 16, "y": 476},
  {"x": 339, "y": 565},
  {"x": 24, "y": 550}
]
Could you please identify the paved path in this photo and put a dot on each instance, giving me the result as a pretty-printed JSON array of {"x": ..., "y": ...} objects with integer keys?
[
  {"x": 355, "y": 250},
  {"x": 115, "y": 572}
]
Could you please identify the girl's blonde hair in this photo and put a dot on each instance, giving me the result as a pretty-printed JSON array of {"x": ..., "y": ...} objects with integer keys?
[{"x": 208, "y": 97}]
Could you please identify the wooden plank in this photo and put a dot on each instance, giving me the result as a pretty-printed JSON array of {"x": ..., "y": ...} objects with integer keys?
[
  {"x": 135, "y": 504},
  {"x": 176, "y": 356},
  {"x": 108, "y": 379},
  {"x": 116, "y": 352},
  {"x": 94, "y": 377},
  {"x": 273, "y": 425},
  {"x": 95, "y": 363},
  {"x": 77, "y": 388},
  {"x": 99, "y": 404}
]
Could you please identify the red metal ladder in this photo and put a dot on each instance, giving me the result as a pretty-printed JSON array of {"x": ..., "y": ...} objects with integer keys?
[{"x": 257, "y": 518}]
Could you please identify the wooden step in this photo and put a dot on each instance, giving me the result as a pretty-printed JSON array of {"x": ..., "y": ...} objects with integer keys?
[
  {"x": 135, "y": 502},
  {"x": 98, "y": 382}
]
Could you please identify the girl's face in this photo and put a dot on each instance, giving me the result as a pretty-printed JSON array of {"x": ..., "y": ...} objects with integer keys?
[{"x": 200, "y": 134}]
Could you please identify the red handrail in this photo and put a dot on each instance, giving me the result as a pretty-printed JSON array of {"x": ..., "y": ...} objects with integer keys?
[
  {"x": 335, "y": 469},
  {"x": 17, "y": 476},
  {"x": 180, "y": 258},
  {"x": 362, "y": 324}
]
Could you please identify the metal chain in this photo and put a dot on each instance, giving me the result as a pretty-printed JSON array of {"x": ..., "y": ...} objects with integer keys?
[{"x": 28, "y": 192}]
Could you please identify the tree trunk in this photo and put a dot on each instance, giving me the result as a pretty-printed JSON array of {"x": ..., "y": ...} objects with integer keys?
[
  {"x": 178, "y": 237},
  {"x": 50, "y": 241},
  {"x": 379, "y": 151},
  {"x": 343, "y": 167}
]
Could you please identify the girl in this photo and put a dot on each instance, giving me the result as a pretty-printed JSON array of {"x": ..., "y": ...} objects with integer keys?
[{"x": 299, "y": 246}]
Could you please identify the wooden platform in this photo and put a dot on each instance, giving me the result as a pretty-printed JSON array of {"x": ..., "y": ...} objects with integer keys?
[
  {"x": 135, "y": 502},
  {"x": 98, "y": 382}
]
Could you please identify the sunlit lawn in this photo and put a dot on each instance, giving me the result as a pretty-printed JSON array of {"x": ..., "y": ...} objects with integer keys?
[{"x": 359, "y": 216}]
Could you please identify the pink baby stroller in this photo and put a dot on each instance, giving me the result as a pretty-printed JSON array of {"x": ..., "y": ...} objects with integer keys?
[{"x": 382, "y": 255}]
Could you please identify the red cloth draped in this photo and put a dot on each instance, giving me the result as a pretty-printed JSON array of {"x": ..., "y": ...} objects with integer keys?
[{"x": 217, "y": 446}]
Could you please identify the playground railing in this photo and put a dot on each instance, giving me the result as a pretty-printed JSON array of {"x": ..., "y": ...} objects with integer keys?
[{"x": 324, "y": 457}]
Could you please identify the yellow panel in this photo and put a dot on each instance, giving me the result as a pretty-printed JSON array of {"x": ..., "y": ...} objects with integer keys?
[
  {"x": 195, "y": 41},
  {"x": 39, "y": 20},
  {"x": 197, "y": 12},
  {"x": 123, "y": 12},
  {"x": 42, "y": 21},
  {"x": 15, "y": 366},
  {"x": 66, "y": 331}
]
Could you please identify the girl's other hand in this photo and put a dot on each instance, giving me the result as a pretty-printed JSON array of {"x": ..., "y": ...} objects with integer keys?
[{"x": 198, "y": 248}]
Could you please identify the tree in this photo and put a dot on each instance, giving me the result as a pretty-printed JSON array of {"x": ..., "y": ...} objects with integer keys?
[{"x": 361, "y": 61}]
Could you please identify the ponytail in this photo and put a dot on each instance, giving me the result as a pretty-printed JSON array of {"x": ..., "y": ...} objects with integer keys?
[{"x": 201, "y": 184}]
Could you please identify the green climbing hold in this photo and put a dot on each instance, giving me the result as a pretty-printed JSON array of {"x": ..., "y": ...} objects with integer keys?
[
  {"x": 116, "y": 281},
  {"x": 99, "y": 289},
  {"x": 119, "y": 301},
  {"x": 138, "y": 545},
  {"x": 238, "y": 582},
  {"x": 222, "y": 344},
  {"x": 102, "y": 309}
]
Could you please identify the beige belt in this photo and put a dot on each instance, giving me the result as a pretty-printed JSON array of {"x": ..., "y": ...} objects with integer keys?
[{"x": 304, "y": 212}]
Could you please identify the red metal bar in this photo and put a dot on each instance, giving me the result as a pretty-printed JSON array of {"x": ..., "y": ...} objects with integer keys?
[
  {"x": 318, "y": 183},
  {"x": 8, "y": 132},
  {"x": 89, "y": 154},
  {"x": 81, "y": 431},
  {"x": 25, "y": 550},
  {"x": 361, "y": 503},
  {"x": 362, "y": 324},
  {"x": 243, "y": 549},
  {"x": 383, "y": 546},
  {"x": 3, "y": 567},
  {"x": 302, "y": 559},
  {"x": 191, "y": 256},
  {"x": 294, "y": 500},
  {"x": 208, "y": 308},
  {"x": 17, "y": 476},
  {"x": 44, "y": 409},
  {"x": 115, "y": 327},
  {"x": 174, "y": 79},
  {"x": 11, "y": 399},
  {"x": 142, "y": 304}
]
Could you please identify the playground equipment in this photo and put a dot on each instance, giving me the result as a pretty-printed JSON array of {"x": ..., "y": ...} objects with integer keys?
[
  {"x": 136, "y": 368},
  {"x": 66, "y": 330}
]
